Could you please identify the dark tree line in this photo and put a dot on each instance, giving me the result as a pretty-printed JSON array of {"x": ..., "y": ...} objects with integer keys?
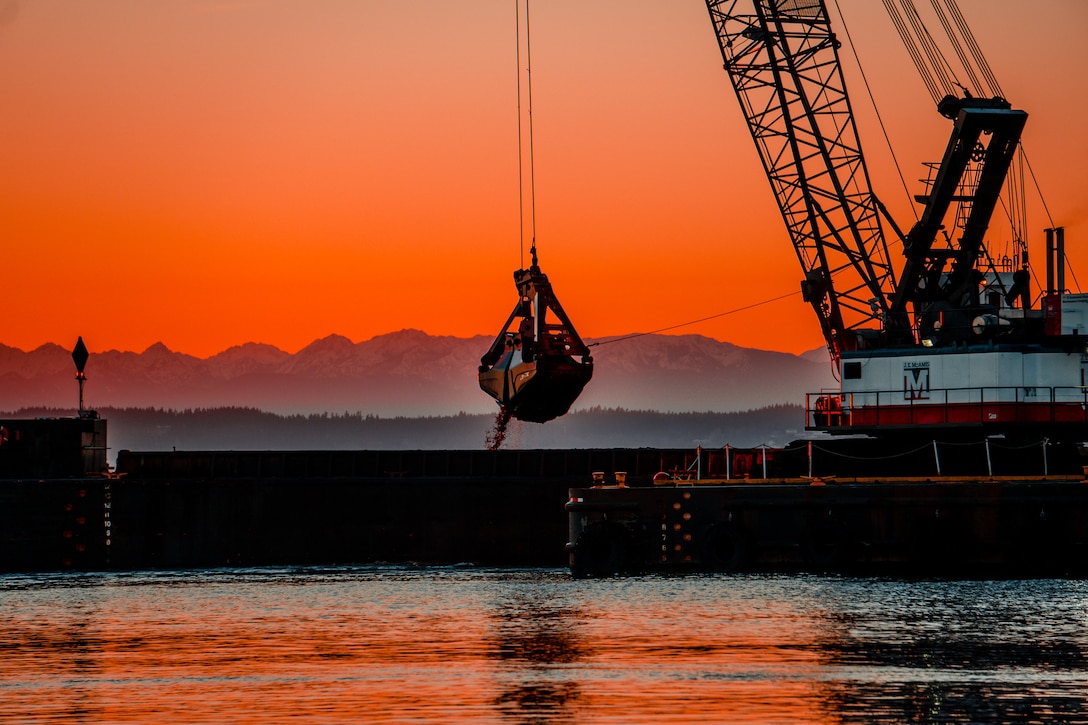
[{"x": 154, "y": 429}]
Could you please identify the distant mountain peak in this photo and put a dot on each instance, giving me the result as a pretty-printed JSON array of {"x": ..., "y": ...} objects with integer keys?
[
  {"x": 409, "y": 332},
  {"x": 328, "y": 342},
  {"x": 409, "y": 373},
  {"x": 50, "y": 348},
  {"x": 157, "y": 348},
  {"x": 253, "y": 347}
]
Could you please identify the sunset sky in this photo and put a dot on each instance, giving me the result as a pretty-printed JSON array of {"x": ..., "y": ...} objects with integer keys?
[{"x": 211, "y": 172}]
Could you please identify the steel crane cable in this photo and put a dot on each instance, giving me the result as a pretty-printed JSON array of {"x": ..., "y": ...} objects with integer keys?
[
  {"x": 1072, "y": 273},
  {"x": 695, "y": 322},
  {"x": 958, "y": 47},
  {"x": 1035, "y": 182},
  {"x": 930, "y": 77},
  {"x": 912, "y": 49},
  {"x": 976, "y": 52},
  {"x": 1022, "y": 201},
  {"x": 1042, "y": 201},
  {"x": 938, "y": 65},
  {"x": 1046, "y": 210},
  {"x": 532, "y": 168},
  {"x": 966, "y": 38},
  {"x": 994, "y": 89},
  {"x": 532, "y": 160},
  {"x": 1017, "y": 192},
  {"x": 876, "y": 110},
  {"x": 1016, "y": 210},
  {"x": 521, "y": 183}
]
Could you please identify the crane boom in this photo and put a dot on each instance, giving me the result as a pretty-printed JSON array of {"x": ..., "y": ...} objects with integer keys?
[
  {"x": 953, "y": 342},
  {"x": 782, "y": 60}
]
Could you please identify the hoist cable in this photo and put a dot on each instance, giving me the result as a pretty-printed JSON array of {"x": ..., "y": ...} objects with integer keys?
[
  {"x": 521, "y": 183},
  {"x": 972, "y": 44},
  {"x": 876, "y": 110},
  {"x": 1021, "y": 188},
  {"x": 1072, "y": 273},
  {"x": 912, "y": 49},
  {"x": 957, "y": 46},
  {"x": 938, "y": 65},
  {"x": 1015, "y": 206},
  {"x": 695, "y": 322},
  {"x": 1038, "y": 189},
  {"x": 925, "y": 54},
  {"x": 952, "y": 81},
  {"x": 532, "y": 163}
]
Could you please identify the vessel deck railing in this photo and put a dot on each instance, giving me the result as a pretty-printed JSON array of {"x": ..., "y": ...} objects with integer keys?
[{"x": 947, "y": 406}]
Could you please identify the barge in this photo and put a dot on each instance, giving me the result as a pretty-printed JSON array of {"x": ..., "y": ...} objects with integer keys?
[
  {"x": 770, "y": 513},
  {"x": 62, "y": 509},
  {"x": 948, "y": 347},
  {"x": 819, "y": 505}
]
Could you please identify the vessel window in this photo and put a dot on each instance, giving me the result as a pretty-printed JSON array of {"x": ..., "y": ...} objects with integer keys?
[{"x": 851, "y": 371}]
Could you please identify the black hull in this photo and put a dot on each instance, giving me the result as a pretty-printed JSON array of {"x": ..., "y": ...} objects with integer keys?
[
  {"x": 962, "y": 528},
  {"x": 506, "y": 508}
]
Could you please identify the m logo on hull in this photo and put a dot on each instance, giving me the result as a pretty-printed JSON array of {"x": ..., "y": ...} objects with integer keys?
[{"x": 916, "y": 381}]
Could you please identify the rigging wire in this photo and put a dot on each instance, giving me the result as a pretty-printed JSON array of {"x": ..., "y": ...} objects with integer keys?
[
  {"x": 1069, "y": 268},
  {"x": 1018, "y": 183},
  {"x": 532, "y": 161},
  {"x": 521, "y": 143},
  {"x": 957, "y": 47},
  {"x": 938, "y": 64},
  {"x": 921, "y": 46},
  {"x": 695, "y": 322},
  {"x": 912, "y": 49},
  {"x": 876, "y": 110},
  {"x": 972, "y": 44},
  {"x": 521, "y": 183},
  {"x": 1046, "y": 210},
  {"x": 1021, "y": 192},
  {"x": 1038, "y": 189}
]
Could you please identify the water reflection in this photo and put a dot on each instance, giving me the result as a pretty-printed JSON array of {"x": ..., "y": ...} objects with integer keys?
[
  {"x": 396, "y": 644},
  {"x": 959, "y": 652},
  {"x": 536, "y": 636}
]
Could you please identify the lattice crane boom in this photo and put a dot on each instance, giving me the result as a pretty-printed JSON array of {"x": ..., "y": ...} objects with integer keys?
[
  {"x": 952, "y": 343},
  {"x": 782, "y": 60}
]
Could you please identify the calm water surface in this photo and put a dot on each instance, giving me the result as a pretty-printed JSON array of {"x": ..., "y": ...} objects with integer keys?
[{"x": 407, "y": 645}]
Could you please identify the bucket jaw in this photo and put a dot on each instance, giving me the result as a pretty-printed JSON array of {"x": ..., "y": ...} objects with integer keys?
[{"x": 537, "y": 366}]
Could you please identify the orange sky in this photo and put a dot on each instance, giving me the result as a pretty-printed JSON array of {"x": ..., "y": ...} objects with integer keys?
[{"x": 209, "y": 172}]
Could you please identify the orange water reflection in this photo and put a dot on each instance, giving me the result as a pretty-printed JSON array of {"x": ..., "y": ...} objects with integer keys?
[
  {"x": 677, "y": 661},
  {"x": 397, "y": 645}
]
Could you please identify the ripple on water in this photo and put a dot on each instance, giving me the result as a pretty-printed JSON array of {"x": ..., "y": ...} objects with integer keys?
[{"x": 409, "y": 644}]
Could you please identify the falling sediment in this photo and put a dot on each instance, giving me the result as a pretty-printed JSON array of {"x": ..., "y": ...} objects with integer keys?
[{"x": 497, "y": 434}]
